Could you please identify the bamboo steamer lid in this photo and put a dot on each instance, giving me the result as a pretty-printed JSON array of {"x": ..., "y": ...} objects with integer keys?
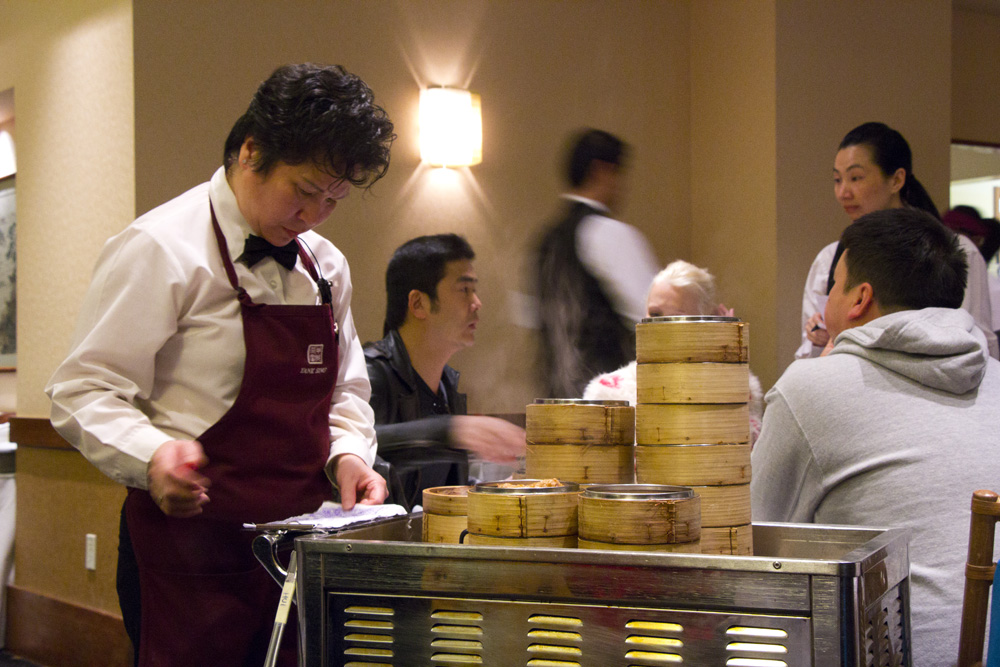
[
  {"x": 639, "y": 514},
  {"x": 443, "y": 528},
  {"x": 724, "y": 505},
  {"x": 555, "y": 542},
  {"x": 692, "y": 465},
  {"x": 522, "y": 509},
  {"x": 674, "y": 547},
  {"x": 583, "y": 464},
  {"x": 577, "y": 421},
  {"x": 692, "y": 383},
  {"x": 688, "y": 339},
  {"x": 728, "y": 540},
  {"x": 446, "y": 500},
  {"x": 679, "y": 424}
]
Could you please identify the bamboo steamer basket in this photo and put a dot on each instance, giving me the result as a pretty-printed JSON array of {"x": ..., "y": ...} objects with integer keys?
[
  {"x": 639, "y": 514},
  {"x": 583, "y": 464},
  {"x": 679, "y": 424},
  {"x": 692, "y": 338},
  {"x": 501, "y": 509},
  {"x": 445, "y": 513},
  {"x": 693, "y": 465},
  {"x": 727, "y": 505},
  {"x": 728, "y": 540},
  {"x": 557, "y": 421},
  {"x": 692, "y": 383},
  {"x": 556, "y": 542},
  {"x": 675, "y": 547}
]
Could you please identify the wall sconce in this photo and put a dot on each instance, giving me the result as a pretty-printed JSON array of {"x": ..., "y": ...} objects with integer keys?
[{"x": 451, "y": 127}]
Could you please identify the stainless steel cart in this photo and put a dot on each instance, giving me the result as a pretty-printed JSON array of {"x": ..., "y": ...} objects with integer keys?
[{"x": 812, "y": 595}]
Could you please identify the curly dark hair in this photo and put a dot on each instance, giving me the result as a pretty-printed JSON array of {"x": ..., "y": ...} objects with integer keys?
[{"x": 320, "y": 113}]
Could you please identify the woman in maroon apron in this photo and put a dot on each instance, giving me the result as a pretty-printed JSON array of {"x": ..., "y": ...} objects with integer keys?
[
  {"x": 136, "y": 376},
  {"x": 266, "y": 459}
]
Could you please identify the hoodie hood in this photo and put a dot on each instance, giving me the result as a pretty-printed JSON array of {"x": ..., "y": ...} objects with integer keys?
[{"x": 940, "y": 348}]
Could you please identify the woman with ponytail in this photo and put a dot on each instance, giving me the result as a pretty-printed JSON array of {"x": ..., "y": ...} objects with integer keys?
[{"x": 873, "y": 171}]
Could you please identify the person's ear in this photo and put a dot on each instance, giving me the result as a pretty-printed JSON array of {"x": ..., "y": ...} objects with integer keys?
[
  {"x": 418, "y": 303},
  {"x": 862, "y": 301},
  {"x": 897, "y": 180},
  {"x": 248, "y": 152}
]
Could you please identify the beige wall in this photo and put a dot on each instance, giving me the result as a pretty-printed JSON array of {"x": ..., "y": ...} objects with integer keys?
[
  {"x": 543, "y": 69},
  {"x": 70, "y": 64},
  {"x": 975, "y": 52},
  {"x": 733, "y": 162}
]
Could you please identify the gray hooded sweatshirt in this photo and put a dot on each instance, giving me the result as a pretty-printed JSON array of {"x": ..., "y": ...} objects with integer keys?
[{"x": 896, "y": 427}]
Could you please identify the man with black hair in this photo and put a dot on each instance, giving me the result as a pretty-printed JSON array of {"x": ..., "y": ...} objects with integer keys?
[
  {"x": 898, "y": 425},
  {"x": 432, "y": 311},
  {"x": 592, "y": 271},
  {"x": 216, "y": 372}
]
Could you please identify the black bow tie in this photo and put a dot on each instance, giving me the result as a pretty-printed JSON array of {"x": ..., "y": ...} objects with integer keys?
[{"x": 257, "y": 249}]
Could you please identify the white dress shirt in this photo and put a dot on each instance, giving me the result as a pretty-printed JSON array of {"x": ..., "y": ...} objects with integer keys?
[
  {"x": 158, "y": 351},
  {"x": 619, "y": 258}
]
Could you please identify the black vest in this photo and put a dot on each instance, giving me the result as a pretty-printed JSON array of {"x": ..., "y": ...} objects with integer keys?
[{"x": 582, "y": 335}]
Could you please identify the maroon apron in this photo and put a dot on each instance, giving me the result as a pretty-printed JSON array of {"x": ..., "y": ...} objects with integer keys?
[{"x": 205, "y": 598}]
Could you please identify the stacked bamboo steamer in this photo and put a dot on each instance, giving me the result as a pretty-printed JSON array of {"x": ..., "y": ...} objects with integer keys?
[
  {"x": 582, "y": 441},
  {"x": 445, "y": 513},
  {"x": 523, "y": 513},
  {"x": 692, "y": 420},
  {"x": 640, "y": 517}
]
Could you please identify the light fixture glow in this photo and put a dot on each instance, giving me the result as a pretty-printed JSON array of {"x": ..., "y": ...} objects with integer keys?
[{"x": 451, "y": 127}]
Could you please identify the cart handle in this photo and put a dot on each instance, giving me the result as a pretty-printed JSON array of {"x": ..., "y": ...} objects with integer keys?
[{"x": 266, "y": 547}]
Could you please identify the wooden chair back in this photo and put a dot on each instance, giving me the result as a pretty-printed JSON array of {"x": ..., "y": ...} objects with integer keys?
[{"x": 979, "y": 569}]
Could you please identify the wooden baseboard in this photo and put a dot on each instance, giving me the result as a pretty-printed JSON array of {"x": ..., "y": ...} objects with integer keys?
[{"x": 52, "y": 632}]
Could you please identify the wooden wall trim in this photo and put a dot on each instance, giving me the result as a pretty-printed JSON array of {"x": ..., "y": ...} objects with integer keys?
[
  {"x": 36, "y": 432},
  {"x": 52, "y": 632}
]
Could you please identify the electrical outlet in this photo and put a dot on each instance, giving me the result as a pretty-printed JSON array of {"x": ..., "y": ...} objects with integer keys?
[{"x": 90, "y": 553}]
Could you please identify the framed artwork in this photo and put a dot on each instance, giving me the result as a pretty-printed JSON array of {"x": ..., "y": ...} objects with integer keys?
[{"x": 8, "y": 275}]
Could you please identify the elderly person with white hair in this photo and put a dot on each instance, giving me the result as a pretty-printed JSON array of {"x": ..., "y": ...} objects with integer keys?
[{"x": 680, "y": 289}]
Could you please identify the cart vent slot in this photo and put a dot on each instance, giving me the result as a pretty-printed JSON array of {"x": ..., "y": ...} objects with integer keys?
[
  {"x": 552, "y": 648},
  {"x": 555, "y": 635},
  {"x": 457, "y": 644},
  {"x": 373, "y": 611},
  {"x": 884, "y": 633},
  {"x": 444, "y": 615},
  {"x": 654, "y": 625},
  {"x": 759, "y": 633},
  {"x": 661, "y": 658},
  {"x": 457, "y": 629},
  {"x": 541, "y": 662},
  {"x": 654, "y": 641},
  {"x": 370, "y": 652},
  {"x": 369, "y": 624},
  {"x": 756, "y": 648},
  {"x": 374, "y": 639},
  {"x": 457, "y": 658},
  {"x": 755, "y": 662},
  {"x": 562, "y": 621}
]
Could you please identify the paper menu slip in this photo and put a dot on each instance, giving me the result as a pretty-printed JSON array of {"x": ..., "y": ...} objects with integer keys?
[{"x": 331, "y": 516}]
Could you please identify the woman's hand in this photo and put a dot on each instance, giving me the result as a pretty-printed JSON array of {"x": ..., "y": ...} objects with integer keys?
[
  {"x": 175, "y": 484},
  {"x": 816, "y": 331},
  {"x": 358, "y": 483}
]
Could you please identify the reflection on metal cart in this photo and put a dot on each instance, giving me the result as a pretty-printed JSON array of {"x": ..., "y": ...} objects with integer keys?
[{"x": 811, "y": 595}]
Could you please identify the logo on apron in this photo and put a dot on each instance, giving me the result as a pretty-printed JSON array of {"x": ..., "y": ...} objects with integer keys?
[{"x": 314, "y": 354}]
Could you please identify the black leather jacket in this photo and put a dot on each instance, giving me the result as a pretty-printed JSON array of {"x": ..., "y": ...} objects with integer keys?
[{"x": 407, "y": 439}]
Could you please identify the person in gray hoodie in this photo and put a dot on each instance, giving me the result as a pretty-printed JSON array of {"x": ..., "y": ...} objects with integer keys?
[{"x": 899, "y": 424}]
